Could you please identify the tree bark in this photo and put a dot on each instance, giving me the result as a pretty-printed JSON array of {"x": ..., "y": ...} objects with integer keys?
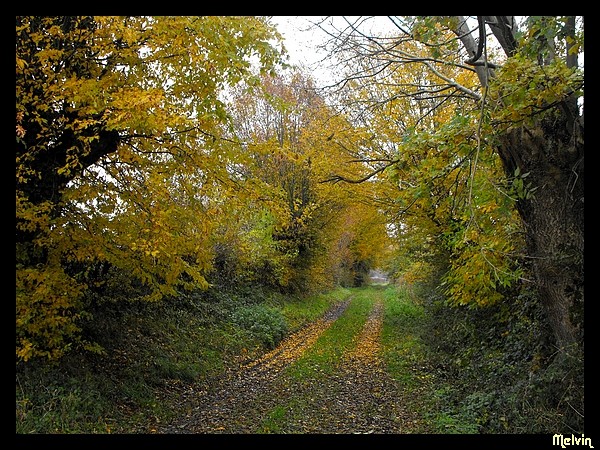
[
  {"x": 553, "y": 218},
  {"x": 551, "y": 152}
]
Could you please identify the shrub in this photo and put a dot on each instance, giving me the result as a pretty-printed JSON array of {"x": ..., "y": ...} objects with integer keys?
[{"x": 264, "y": 323}]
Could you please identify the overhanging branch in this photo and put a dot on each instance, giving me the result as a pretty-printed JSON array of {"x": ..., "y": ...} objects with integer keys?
[{"x": 338, "y": 178}]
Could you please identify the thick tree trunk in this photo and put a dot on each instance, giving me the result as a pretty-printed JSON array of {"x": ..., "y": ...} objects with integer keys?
[
  {"x": 552, "y": 155},
  {"x": 51, "y": 183},
  {"x": 551, "y": 152}
]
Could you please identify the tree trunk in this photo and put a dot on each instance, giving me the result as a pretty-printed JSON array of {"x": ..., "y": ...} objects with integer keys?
[
  {"x": 552, "y": 155},
  {"x": 551, "y": 152}
]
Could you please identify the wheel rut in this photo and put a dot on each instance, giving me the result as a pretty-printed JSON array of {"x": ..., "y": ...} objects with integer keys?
[
  {"x": 358, "y": 396},
  {"x": 242, "y": 393}
]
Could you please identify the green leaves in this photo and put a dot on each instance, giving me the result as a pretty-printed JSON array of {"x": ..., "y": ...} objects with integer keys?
[
  {"x": 520, "y": 188},
  {"x": 265, "y": 324},
  {"x": 526, "y": 89}
]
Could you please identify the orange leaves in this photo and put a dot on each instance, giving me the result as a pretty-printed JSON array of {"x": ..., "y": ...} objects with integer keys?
[
  {"x": 368, "y": 344},
  {"x": 20, "y": 131}
]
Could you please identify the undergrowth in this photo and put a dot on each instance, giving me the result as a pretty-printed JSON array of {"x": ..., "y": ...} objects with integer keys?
[
  {"x": 489, "y": 370},
  {"x": 150, "y": 352},
  {"x": 496, "y": 369}
]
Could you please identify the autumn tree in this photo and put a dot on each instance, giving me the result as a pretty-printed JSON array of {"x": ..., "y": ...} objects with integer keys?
[
  {"x": 517, "y": 88},
  {"x": 119, "y": 156},
  {"x": 318, "y": 228}
]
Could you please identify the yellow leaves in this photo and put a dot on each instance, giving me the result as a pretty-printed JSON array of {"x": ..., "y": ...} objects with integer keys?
[
  {"x": 525, "y": 89},
  {"x": 150, "y": 207},
  {"x": 417, "y": 272},
  {"x": 477, "y": 270},
  {"x": 25, "y": 350},
  {"x": 488, "y": 208},
  {"x": 49, "y": 56},
  {"x": 31, "y": 217},
  {"x": 130, "y": 35},
  {"x": 137, "y": 108},
  {"x": 45, "y": 320},
  {"x": 21, "y": 63},
  {"x": 368, "y": 345}
]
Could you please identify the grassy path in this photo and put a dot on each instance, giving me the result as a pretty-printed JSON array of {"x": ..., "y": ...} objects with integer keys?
[{"x": 353, "y": 371}]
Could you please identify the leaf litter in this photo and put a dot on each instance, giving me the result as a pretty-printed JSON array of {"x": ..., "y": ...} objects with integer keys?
[{"x": 359, "y": 397}]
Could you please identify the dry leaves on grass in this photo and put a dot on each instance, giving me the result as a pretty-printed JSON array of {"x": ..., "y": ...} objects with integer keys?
[{"x": 358, "y": 397}]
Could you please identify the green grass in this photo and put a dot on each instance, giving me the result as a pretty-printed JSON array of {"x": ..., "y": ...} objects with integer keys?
[
  {"x": 321, "y": 359},
  {"x": 281, "y": 415},
  {"x": 274, "y": 420},
  {"x": 122, "y": 390},
  {"x": 403, "y": 349},
  {"x": 324, "y": 357},
  {"x": 57, "y": 409},
  {"x": 151, "y": 352},
  {"x": 402, "y": 346},
  {"x": 302, "y": 310},
  {"x": 407, "y": 357}
]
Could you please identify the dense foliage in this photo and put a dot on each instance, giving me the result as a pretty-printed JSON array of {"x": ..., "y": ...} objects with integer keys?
[
  {"x": 176, "y": 165},
  {"x": 479, "y": 134},
  {"x": 161, "y": 154},
  {"x": 116, "y": 165}
]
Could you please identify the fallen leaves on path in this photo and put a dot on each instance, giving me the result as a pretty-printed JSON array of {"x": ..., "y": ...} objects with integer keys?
[
  {"x": 291, "y": 348},
  {"x": 359, "y": 397}
]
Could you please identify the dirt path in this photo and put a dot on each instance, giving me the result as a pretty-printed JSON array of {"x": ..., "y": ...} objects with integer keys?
[{"x": 358, "y": 398}]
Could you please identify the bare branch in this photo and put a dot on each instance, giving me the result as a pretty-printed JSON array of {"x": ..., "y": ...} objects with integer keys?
[
  {"x": 338, "y": 178},
  {"x": 460, "y": 87}
]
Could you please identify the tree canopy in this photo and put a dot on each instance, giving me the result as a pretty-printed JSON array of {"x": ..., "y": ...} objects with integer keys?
[
  {"x": 480, "y": 127},
  {"x": 119, "y": 151},
  {"x": 161, "y": 154},
  {"x": 156, "y": 154}
]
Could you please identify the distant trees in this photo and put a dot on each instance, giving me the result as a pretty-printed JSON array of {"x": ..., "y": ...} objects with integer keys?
[
  {"x": 324, "y": 235},
  {"x": 156, "y": 154}
]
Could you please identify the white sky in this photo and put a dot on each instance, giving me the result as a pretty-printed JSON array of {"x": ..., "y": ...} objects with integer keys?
[{"x": 300, "y": 42}]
